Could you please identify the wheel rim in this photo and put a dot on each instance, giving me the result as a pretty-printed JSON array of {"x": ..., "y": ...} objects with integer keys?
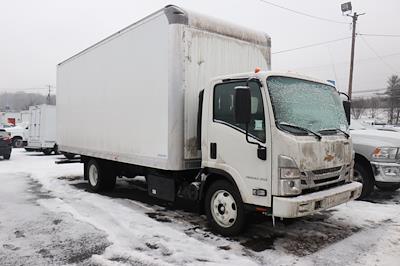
[
  {"x": 223, "y": 208},
  {"x": 93, "y": 175},
  {"x": 357, "y": 176}
]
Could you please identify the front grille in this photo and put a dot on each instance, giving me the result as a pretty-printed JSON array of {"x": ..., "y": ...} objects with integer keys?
[
  {"x": 316, "y": 179},
  {"x": 327, "y": 170},
  {"x": 324, "y": 180}
]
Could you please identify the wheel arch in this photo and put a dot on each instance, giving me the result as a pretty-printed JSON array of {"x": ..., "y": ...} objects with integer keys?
[
  {"x": 213, "y": 175},
  {"x": 362, "y": 160}
]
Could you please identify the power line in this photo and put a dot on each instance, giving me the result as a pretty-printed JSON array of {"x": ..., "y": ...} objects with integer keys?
[
  {"x": 360, "y": 60},
  {"x": 303, "y": 13},
  {"x": 378, "y": 35},
  {"x": 311, "y": 45},
  {"x": 377, "y": 55}
]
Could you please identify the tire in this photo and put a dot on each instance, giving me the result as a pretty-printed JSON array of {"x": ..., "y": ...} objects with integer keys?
[
  {"x": 99, "y": 175},
  {"x": 7, "y": 157},
  {"x": 29, "y": 149},
  {"x": 17, "y": 143},
  {"x": 47, "y": 151},
  {"x": 222, "y": 197},
  {"x": 69, "y": 156},
  {"x": 388, "y": 186},
  {"x": 363, "y": 175},
  {"x": 55, "y": 149}
]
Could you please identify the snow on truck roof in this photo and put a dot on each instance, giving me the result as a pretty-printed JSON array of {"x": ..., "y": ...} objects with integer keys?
[
  {"x": 177, "y": 15},
  {"x": 265, "y": 74}
]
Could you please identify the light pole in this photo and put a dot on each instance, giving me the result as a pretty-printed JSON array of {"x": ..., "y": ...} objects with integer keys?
[{"x": 346, "y": 10}]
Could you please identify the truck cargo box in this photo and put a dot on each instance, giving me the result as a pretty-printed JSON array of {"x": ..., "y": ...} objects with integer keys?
[
  {"x": 133, "y": 97},
  {"x": 42, "y": 127}
]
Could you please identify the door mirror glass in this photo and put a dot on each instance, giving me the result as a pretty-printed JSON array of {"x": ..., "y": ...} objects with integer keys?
[
  {"x": 347, "y": 108},
  {"x": 242, "y": 107}
]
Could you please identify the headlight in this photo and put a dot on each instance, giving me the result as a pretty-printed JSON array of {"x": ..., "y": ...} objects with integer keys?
[
  {"x": 289, "y": 175},
  {"x": 385, "y": 154}
]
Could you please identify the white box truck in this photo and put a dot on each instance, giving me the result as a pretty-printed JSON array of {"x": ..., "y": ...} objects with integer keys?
[
  {"x": 256, "y": 141},
  {"x": 42, "y": 129}
]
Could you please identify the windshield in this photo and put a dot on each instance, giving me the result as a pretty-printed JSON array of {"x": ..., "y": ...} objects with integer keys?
[{"x": 307, "y": 104}]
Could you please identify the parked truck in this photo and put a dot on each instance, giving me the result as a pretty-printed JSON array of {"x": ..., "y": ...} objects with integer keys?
[
  {"x": 377, "y": 158},
  {"x": 42, "y": 129},
  {"x": 261, "y": 141}
]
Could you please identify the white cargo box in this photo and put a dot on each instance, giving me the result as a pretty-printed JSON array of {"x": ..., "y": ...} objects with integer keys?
[
  {"x": 133, "y": 97},
  {"x": 42, "y": 127}
]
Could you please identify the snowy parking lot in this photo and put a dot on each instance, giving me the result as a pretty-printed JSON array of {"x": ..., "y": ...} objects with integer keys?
[{"x": 48, "y": 217}]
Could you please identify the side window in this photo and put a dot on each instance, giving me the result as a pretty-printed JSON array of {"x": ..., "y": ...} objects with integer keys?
[{"x": 224, "y": 109}]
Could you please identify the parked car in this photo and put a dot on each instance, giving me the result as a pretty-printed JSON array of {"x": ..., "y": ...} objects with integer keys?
[
  {"x": 377, "y": 158},
  {"x": 19, "y": 134},
  {"x": 5, "y": 144}
]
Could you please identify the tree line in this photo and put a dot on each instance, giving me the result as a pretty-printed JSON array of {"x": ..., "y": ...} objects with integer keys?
[
  {"x": 19, "y": 101},
  {"x": 389, "y": 100}
]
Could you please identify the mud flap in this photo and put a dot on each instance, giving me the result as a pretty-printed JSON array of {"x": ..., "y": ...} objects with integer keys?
[{"x": 161, "y": 187}]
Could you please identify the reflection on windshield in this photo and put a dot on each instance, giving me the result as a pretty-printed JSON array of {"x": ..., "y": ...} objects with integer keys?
[{"x": 313, "y": 106}]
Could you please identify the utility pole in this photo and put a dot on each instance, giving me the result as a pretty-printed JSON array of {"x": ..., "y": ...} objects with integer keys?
[
  {"x": 48, "y": 95},
  {"x": 353, "y": 43}
]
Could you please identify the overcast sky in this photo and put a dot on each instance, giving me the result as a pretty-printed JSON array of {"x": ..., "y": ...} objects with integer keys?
[{"x": 35, "y": 35}]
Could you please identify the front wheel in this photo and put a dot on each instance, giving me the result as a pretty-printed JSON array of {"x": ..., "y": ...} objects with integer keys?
[
  {"x": 388, "y": 186},
  {"x": 17, "y": 143},
  {"x": 7, "y": 157},
  {"x": 99, "y": 176},
  {"x": 224, "y": 208},
  {"x": 363, "y": 175}
]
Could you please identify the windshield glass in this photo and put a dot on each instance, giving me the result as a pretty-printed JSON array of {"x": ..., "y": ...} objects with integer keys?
[{"x": 307, "y": 104}]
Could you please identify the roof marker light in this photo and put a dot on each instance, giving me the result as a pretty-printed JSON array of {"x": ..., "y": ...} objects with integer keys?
[{"x": 257, "y": 70}]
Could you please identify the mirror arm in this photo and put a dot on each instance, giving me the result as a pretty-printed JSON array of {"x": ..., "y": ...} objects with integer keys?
[{"x": 247, "y": 137}]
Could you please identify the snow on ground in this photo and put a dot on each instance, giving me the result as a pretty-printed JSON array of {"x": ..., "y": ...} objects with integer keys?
[{"x": 47, "y": 216}]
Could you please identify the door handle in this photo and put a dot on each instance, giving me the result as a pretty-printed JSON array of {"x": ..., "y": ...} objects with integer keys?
[{"x": 213, "y": 150}]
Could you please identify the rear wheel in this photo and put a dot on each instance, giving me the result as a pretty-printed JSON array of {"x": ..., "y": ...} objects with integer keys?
[
  {"x": 388, "y": 186},
  {"x": 7, "y": 157},
  {"x": 100, "y": 177},
  {"x": 363, "y": 175},
  {"x": 224, "y": 208},
  {"x": 47, "y": 151}
]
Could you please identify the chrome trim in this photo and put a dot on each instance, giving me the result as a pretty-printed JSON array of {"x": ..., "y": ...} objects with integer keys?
[{"x": 311, "y": 180}]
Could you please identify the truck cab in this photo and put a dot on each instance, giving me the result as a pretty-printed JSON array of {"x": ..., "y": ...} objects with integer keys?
[
  {"x": 281, "y": 140},
  {"x": 377, "y": 158}
]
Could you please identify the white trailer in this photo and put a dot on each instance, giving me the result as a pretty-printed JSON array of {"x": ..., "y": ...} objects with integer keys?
[
  {"x": 42, "y": 129},
  {"x": 195, "y": 130}
]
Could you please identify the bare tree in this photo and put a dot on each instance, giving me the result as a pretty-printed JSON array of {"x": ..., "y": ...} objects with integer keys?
[
  {"x": 393, "y": 92},
  {"x": 358, "y": 107}
]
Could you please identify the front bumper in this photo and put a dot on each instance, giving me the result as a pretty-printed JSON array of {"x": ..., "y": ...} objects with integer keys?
[
  {"x": 5, "y": 150},
  {"x": 386, "y": 172},
  {"x": 292, "y": 207}
]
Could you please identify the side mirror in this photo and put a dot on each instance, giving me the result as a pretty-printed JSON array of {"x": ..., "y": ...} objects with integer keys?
[
  {"x": 347, "y": 109},
  {"x": 242, "y": 105}
]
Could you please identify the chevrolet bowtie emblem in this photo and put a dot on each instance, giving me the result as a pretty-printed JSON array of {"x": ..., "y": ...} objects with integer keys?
[{"x": 329, "y": 158}]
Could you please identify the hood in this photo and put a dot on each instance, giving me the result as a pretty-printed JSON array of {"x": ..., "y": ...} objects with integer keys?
[
  {"x": 310, "y": 154},
  {"x": 375, "y": 137}
]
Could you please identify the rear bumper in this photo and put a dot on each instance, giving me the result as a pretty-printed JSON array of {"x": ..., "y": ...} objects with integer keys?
[
  {"x": 292, "y": 207},
  {"x": 5, "y": 150},
  {"x": 38, "y": 145},
  {"x": 386, "y": 172}
]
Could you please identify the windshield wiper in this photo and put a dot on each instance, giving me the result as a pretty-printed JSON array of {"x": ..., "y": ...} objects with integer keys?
[
  {"x": 319, "y": 137},
  {"x": 336, "y": 130}
]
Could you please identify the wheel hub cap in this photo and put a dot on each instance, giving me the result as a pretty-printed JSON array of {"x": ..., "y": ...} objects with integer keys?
[{"x": 223, "y": 208}]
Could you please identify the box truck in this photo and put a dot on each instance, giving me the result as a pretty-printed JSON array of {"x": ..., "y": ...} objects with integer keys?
[
  {"x": 42, "y": 129},
  {"x": 261, "y": 141}
]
